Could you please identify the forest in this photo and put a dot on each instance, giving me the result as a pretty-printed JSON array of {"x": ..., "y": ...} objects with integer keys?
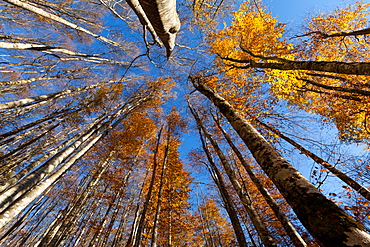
[{"x": 199, "y": 123}]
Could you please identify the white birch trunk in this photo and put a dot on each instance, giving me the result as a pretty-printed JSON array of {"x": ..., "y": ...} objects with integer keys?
[
  {"x": 55, "y": 50},
  {"x": 14, "y": 200},
  {"x": 45, "y": 97},
  {"x": 43, "y": 13}
]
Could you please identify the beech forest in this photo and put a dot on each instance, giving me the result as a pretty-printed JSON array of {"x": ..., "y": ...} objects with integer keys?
[{"x": 197, "y": 123}]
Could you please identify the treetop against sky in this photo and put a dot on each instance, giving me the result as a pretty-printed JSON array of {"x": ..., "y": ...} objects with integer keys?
[{"x": 250, "y": 129}]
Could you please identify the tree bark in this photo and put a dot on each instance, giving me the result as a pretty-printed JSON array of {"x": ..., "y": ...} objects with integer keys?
[
  {"x": 327, "y": 223},
  {"x": 355, "y": 68},
  {"x": 166, "y": 23},
  {"x": 289, "y": 228},
  {"x": 43, "y": 13},
  {"x": 216, "y": 175},
  {"x": 243, "y": 195},
  {"x": 338, "y": 89}
]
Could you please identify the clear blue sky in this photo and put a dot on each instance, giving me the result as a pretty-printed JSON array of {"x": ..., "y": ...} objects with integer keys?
[{"x": 289, "y": 11}]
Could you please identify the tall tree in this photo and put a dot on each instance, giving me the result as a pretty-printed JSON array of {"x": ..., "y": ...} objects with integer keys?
[{"x": 318, "y": 214}]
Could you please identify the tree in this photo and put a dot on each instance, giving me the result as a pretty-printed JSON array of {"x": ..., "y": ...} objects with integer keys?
[
  {"x": 90, "y": 142},
  {"x": 306, "y": 201},
  {"x": 324, "y": 76},
  {"x": 243, "y": 194},
  {"x": 215, "y": 228}
]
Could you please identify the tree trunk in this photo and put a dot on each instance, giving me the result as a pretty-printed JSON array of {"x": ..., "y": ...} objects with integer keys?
[
  {"x": 15, "y": 200},
  {"x": 160, "y": 196},
  {"x": 135, "y": 241},
  {"x": 46, "y": 97},
  {"x": 327, "y": 223},
  {"x": 355, "y": 68},
  {"x": 289, "y": 228},
  {"x": 216, "y": 175},
  {"x": 342, "y": 176},
  {"x": 43, "y": 13},
  {"x": 55, "y": 51},
  {"x": 338, "y": 89},
  {"x": 243, "y": 195}
]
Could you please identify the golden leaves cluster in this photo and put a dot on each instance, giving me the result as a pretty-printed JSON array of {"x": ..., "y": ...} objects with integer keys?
[{"x": 254, "y": 36}]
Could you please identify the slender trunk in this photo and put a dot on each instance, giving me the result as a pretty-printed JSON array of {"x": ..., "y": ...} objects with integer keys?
[
  {"x": 246, "y": 224},
  {"x": 108, "y": 231},
  {"x": 342, "y": 176},
  {"x": 16, "y": 200},
  {"x": 137, "y": 218},
  {"x": 36, "y": 206},
  {"x": 339, "y": 89},
  {"x": 327, "y": 223},
  {"x": 12, "y": 153},
  {"x": 323, "y": 35},
  {"x": 75, "y": 204},
  {"x": 216, "y": 175},
  {"x": 45, "y": 97},
  {"x": 117, "y": 240},
  {"x": 289, "y": 228},
  {"x": 32, "y": 179},
  {"x": 79, "y": 220},
  {"x": 354, "y": 68},
  {"x": 30, "y": 166},
  {"x": 204, "y": 222},
  {"x": 140, "y": 227},
  {"x": 102, "y": 227},
  {"x": 43, "y": 13},
  {"x": 14, "y": 114},
  {"x": 160, "y": 194},
  {"x": 16, "y": 206},
  {"x": 243, "y": 195},
  {"x": 158, "y": 209},
  {"x": 35, "y": 123},
  {"x": 27, "y": 81},
  {"x": 55, "y": 51}
]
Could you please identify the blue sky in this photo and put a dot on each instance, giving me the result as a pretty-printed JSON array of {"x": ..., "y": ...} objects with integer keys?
[{"x": 293, "y": 11}]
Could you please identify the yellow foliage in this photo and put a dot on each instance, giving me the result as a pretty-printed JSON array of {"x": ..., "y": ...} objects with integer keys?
[{"x": 254, "y": 34}]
